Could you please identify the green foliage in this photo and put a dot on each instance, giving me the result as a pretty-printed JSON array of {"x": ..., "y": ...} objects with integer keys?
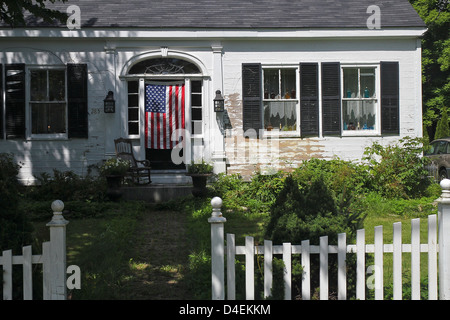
[
  {"x": 201, "y": 167},
  {"x": 68, "y": 186},
  {"x": 435, "y": 58},
  {"x": 308, "y": 210},
  {"x": 114, "y": 167},
  {"x": 15, "y": 228},
  {"x": 442, "y": 129},
  {"x": 12, "y": 11},
  {"x": 398, "y": 170}
]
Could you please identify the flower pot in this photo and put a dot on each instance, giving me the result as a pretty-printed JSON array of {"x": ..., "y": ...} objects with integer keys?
[
  {"x": 114, "y": 184},
  {"x": 199, "y": 182}
]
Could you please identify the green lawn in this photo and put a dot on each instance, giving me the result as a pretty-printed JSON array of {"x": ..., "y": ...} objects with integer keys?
[{"x": 116, "y": 249}]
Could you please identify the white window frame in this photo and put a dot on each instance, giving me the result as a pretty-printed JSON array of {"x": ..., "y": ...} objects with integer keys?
[
  {"x": 276, "y": 132},
  {"x": 28, "y": 113},
  {"x": 376, "y": 99}
]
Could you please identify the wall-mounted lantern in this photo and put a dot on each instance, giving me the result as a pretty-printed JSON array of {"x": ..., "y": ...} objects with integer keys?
[
  {"x": 219, "y": 103},
  {"x": 109, "y": 103}
]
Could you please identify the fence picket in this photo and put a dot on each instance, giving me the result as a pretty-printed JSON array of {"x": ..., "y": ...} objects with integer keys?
[
  {"x": 397, "y": 260},
  {"x": 361, "y": 264},
  {"x": 27, "y": 273},
  {"x": 432, "y": 258},
  {"x": 231, "y": 273},
  {"x": 46, "y": 273},
  {"x": 306, "y": 282},
  {"x": 378, "y": 249},
  {"x": 249, "y": 268},
  {"x": 7, "y": 275},
  {"x": 378, "y": 260},
  {"x": 268, "y": 275},
  {"x": 287, "y": 270},
  {"x": 415, "y": 259},
  {"x": 342, "y": 268},
  {"x": 323, "y": 281}
]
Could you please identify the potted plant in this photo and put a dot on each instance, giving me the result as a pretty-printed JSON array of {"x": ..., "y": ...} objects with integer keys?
[
  {"x": 114, "y": 169},
  {"x": 199, "y": 172}
]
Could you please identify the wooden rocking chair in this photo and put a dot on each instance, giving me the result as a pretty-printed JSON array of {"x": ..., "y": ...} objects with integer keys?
[{"x": 139, "y": 169}]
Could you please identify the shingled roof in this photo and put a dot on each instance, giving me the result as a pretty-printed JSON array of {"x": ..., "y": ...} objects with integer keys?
[{"x": 239, "y": 14}]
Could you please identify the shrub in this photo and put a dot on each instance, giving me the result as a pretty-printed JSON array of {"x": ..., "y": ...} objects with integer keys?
[
  {"x": 398, "y": 170},
  {"x": 307, "y": 209},
  {"x": 15, "y": 229},
  {"x": 68, "y": 186}
]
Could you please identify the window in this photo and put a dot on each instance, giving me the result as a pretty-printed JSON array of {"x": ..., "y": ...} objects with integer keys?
[
  {"x": 133, "y": 108},
  {"x": 331, "y": 100},
  {"x": 280, "y": 99},
  {"x": 196, "y": 108},
  {"x": 48, "y": 101},
  {"x": 359, "y": 101}
]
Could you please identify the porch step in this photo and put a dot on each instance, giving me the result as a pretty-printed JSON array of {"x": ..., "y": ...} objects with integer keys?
[
  {"x": 170, "y": 177},
  {"x": 156, "y": 193},
  {"x": 166, "y": 185}
]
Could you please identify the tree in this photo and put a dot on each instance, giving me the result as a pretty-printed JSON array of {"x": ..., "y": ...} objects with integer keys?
[
  {"x": 442, "y": 129},
  {"x": 435, "y": 59},
  {"x": 12, "y": 12}
]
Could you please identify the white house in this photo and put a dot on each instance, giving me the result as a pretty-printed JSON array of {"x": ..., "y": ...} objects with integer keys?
[{"x": 300, "y": 79}]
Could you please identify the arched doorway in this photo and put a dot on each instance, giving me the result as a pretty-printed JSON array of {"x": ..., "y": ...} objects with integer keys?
[{"x": 166, "y": 110}]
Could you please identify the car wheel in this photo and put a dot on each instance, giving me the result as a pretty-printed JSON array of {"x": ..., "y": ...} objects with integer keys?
[{"x": 443, "y": 174}]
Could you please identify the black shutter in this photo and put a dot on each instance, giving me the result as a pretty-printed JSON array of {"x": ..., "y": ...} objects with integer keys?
[
  {"x": 15, "y": 100},
  {"x": 1, "y": 102},
  {"x": 331, "y": 98},
  {"x": 390, "y": 118},
  {"x": 251, "y": 97},
  {"x": 309, "y": 106},
  {"x": 77, "y": 100}
]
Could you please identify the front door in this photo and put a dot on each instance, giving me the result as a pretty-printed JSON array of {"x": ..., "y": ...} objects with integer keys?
[{"x": 164, "y": 123}]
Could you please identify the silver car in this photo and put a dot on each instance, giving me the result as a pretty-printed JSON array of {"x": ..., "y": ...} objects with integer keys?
[{"x": 439, "y": 154}]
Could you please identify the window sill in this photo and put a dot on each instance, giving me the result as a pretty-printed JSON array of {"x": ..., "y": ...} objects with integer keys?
[
  {"x": 360, "y": 133},
  {"x": 48, "y": 137},
  {"x": 280, "y": 134}
]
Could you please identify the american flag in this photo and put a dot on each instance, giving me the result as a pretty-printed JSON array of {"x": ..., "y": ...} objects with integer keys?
[{"x": 164, "y": 113}]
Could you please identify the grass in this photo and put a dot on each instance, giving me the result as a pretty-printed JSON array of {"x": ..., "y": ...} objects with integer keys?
[{"x": 130, "y": 250}]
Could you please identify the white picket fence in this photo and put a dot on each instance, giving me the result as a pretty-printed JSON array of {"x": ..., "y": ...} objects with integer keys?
[
  {"x": 433, "y": 248},
  {"x": 53, "y": 260}
]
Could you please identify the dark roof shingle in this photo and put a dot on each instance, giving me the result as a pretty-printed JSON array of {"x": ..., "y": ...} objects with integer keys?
[{"x": 239, "y": 14}]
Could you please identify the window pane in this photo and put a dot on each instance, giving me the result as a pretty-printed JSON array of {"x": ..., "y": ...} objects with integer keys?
[
  {"x": 271, "y": 84},
  {"x": 350, "y": 83},
  {"x": 133, "y": 86},
  {"x": 133, "y": 114},
  {"x": 288, "y": 83},
  {"x": 196, "y": 86},
  {"x": 48, "y": 118},
  {"x": 196, "y": 127},
  {"x": 359, "y": 115},
  {"x": 57, "y": 85},
  {"x": 368, "y": 83},
  {"x": 280, "y": 115},
  {"x": 196, "y": 100},
  {"x": 133, "y": 128},
  {"x": 196, "y": 114},
  {"x": 38, "y": 85},
  {"x": 133, "y": 101}
]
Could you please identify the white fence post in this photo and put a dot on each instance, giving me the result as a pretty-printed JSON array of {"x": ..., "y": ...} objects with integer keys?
[
  {"x": 57, "y": 252},
  {"x": 217, "y": 250},
  {"x": 444, "y": 240}
]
